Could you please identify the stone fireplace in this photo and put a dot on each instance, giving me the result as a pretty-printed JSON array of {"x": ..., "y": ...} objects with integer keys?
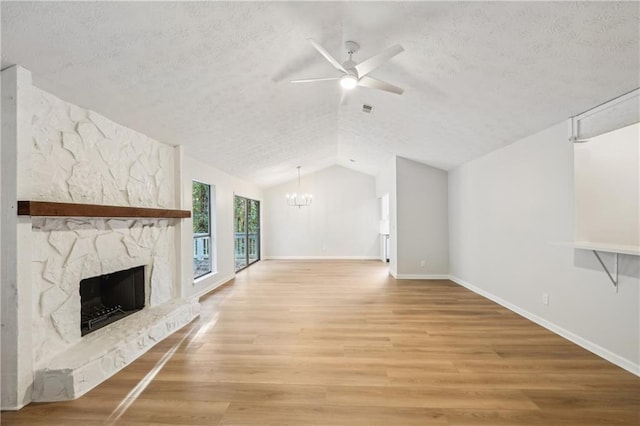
[{"x": 67, "y": 154}]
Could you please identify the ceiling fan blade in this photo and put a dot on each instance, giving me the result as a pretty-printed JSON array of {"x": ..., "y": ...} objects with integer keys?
[
  {"x": 327, "y": 56},
  {"x": 373, "y": 83},
  {"x": 311, "y": 80},
  {"x": 368, "y": 65}
]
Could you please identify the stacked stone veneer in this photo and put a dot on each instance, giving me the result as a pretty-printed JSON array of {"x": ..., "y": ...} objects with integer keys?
[
  {"x": 79, "y": 156},
  {"x": 69, "y": 250}
]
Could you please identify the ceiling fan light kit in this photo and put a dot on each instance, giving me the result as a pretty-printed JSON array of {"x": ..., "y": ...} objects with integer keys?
[
  {"x": 356, "y": 74},
  {"x": 348, "y": 81}
]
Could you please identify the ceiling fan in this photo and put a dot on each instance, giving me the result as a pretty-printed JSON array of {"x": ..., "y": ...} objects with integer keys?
[{"x": 356, "y": 74}]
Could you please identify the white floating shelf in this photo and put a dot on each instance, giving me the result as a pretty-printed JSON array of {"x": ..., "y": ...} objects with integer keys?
[{"x": 603, "y": 247}]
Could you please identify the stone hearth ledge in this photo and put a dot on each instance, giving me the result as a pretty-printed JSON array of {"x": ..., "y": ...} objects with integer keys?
[{"x": 103, "y": 353}]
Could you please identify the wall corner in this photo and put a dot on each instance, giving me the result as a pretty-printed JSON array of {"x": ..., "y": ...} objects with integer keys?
[{"x": 15, "y": 247}]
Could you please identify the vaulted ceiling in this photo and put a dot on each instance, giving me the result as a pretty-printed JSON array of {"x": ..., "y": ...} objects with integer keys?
[{"x": 214, "y": 76}]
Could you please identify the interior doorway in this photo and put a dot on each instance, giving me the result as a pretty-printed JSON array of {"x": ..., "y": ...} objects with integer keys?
[{"x": 384, "y": 228}]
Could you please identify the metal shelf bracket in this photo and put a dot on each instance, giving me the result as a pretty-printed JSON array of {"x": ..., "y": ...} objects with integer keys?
[{"x": 615, "y": 268}]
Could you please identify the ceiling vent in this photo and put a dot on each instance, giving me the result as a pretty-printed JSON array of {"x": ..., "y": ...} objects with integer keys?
[{"x": 367, "y": 108}]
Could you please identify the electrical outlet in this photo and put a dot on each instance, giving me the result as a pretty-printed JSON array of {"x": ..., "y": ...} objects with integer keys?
[
  {"x": 545, "y": 298},
  {"x": 423, "y": 263}
]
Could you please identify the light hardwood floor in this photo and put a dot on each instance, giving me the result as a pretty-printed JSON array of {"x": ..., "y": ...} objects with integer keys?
[{"x": 342, "y": 343}]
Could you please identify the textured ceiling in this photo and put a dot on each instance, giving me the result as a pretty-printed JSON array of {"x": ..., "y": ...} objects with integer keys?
[{"x": 214, "y": 76}]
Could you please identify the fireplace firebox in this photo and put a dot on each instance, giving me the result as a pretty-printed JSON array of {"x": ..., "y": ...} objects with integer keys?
[{"x": 109, "y": 298}]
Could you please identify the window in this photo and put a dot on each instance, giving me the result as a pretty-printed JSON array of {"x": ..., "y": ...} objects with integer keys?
[{"x": 203, "y": 247}]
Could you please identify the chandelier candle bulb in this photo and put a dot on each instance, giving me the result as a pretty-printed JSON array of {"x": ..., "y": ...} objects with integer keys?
[{"x": 302, "y": 200}]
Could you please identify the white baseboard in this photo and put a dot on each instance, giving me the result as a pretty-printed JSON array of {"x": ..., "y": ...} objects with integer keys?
[
  {"x": 12, "y": 408},
  {"x": 621, "y": 362},
  {"x": 420, "y": 276},
  {"x": 322, "y": 258},
  {"x": 212, "y": 287}
]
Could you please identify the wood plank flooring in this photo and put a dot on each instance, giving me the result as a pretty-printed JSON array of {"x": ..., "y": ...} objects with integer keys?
[{"x": 342, "y": 343}]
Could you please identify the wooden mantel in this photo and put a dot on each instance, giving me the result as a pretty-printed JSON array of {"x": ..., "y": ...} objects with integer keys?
[{"x": 46, "y": 208}]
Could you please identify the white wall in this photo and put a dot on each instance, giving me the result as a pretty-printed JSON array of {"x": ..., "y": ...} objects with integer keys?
[
  {"x": 422, "y": 220},
  {"x": 342, "y": 222},
  {"x": 226, "y": 186},
  {"x": 506, "y": 210}
]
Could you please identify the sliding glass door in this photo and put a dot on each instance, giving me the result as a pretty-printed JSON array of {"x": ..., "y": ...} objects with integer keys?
[{"x": 247, "y": 231}]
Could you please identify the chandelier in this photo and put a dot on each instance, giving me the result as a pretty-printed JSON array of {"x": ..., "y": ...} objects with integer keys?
[{"x": 298, "y": 199}]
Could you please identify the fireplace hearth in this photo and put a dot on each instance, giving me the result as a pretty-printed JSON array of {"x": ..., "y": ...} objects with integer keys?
[{"x": 108, "y": 298}]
